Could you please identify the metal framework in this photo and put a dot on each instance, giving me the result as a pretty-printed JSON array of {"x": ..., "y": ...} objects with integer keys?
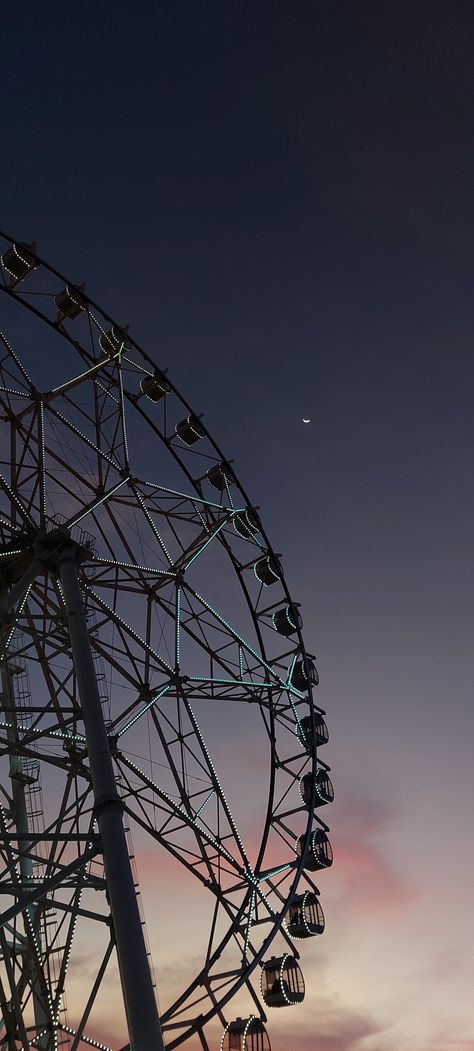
[{"x": 145, "y": 622}]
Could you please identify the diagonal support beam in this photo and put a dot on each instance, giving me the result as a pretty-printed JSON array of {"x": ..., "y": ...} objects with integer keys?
[{"x": 50, "y": 884}]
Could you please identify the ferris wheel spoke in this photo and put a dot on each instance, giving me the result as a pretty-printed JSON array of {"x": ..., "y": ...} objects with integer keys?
[
  {"x": 69, "y": 385},
  {"x": 126, "y": 631},
  {"x": 133, "y": 572},
  {"x": 79, "y": 1032},
  {"x": 230, "y": 632},
  {"x": 181, "y": 781},
  {"x": 93, "y": 505},
  {"x": 16, "y": 370},
  {"x": 215, "y": 781},
  {"x": 157, "y": 490},
  {"x": 119, "y": 530},
  {"x": 184, "y": 819},
  {"x": 225, "y": 827},
  {"x": 153, "y": 526},
  {"x": 133, "y": 718},
  {"x": 16, "y": 504},
  {"x": 107, "y": 459},
  {"x": 202, "y": 547}
]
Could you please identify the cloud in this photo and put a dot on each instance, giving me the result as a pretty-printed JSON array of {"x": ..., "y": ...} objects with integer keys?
[
  {"x": 370, "y": 885},
  {"x": 373, "y": 812},
  {"x": 332, "y": 1026},
  {"x": 363, "y": 873}
]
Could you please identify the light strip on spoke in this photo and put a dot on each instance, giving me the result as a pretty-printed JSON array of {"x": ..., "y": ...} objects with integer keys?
[
  {"x": 92, "y": 507},
  {"x": 203, "y": 547},
  {"x": 144, "y": 709}
]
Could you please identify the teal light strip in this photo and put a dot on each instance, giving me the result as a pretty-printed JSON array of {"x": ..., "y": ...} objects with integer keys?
[
  {"x": 123, "y": 623},
  {"x": 79, "y": 517},
  {"x": 186, "y": 818},
  {"x": 203, "y": 547},
  {"x": 201, "y": 808},
  {"x": 229, "y": 682},
  {"x": 191, "y": 497},
  {"x": 247, "y": 646},
  {"x": 145, "y": 708}
]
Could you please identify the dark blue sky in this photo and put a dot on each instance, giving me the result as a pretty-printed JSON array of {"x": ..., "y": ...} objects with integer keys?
[{"x": 277, "y": 197}]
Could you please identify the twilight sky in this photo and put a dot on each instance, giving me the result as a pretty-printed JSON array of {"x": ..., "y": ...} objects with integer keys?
[{"x": 277, "y": 198}]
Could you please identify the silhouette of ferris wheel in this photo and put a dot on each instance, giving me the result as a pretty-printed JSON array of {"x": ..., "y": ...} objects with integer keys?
[{"x": 154, "y": 685}]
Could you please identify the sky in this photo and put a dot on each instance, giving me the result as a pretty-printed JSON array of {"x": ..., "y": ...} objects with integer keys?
[{"x": 277, "y": 198}]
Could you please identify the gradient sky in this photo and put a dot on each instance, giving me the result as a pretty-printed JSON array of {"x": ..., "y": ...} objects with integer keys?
[{"x": 277, "y": 197}]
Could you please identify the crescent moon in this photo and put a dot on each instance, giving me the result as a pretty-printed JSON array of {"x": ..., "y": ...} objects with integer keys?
[{"x": 306, "y": 420}]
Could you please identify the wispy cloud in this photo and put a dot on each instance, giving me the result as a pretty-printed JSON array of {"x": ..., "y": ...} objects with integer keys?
[
  {"x": 370, "y": 885},
  {"x": 331, "y": 1026},
  {"x": 364, "y": 874}
]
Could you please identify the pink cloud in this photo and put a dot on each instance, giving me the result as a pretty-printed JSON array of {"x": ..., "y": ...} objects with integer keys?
[
  {"x": 447, "y": 1043},
  {"x": 370, "y": 884},
  {"x": 353, "y": 809},
  {"x": 332, "y": 1027}
]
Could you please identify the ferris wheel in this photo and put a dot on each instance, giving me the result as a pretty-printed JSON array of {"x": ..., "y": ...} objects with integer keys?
[{"x": 157, "y": 719}]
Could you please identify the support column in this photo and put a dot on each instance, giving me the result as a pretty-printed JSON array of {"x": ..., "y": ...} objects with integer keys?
[
  {"x": 43, "y": 1020},
  {"x": 139, "y": 998}
]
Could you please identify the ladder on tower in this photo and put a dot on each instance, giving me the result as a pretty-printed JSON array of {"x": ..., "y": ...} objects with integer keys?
[{"x": 26, "y": 771}]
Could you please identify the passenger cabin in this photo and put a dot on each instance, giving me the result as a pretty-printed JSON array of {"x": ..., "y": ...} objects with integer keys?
[
  {"x": 313, "y": 736},
  {"x": 190, "y": 430},
  {"x": 114, "y": 341},
  {"x": 245, "y": 1034},
  {"x": 19, "y": 261},
  {"x": 282, "y": 982},
  {"x": 305, "y": 916},
  {"x": 323, "y": 788},
  {"x": 247, "y": 523},
  {"x": 287, "y": 620},
  {"x": 319, "y": 852},
  {"x": 266, "y": 570},
  {"x": 155, "y": 387},
  {"x": 70, "y": 303},
  {"x": 304, "y": 672},
  {"x": 220, "y": 476}
]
